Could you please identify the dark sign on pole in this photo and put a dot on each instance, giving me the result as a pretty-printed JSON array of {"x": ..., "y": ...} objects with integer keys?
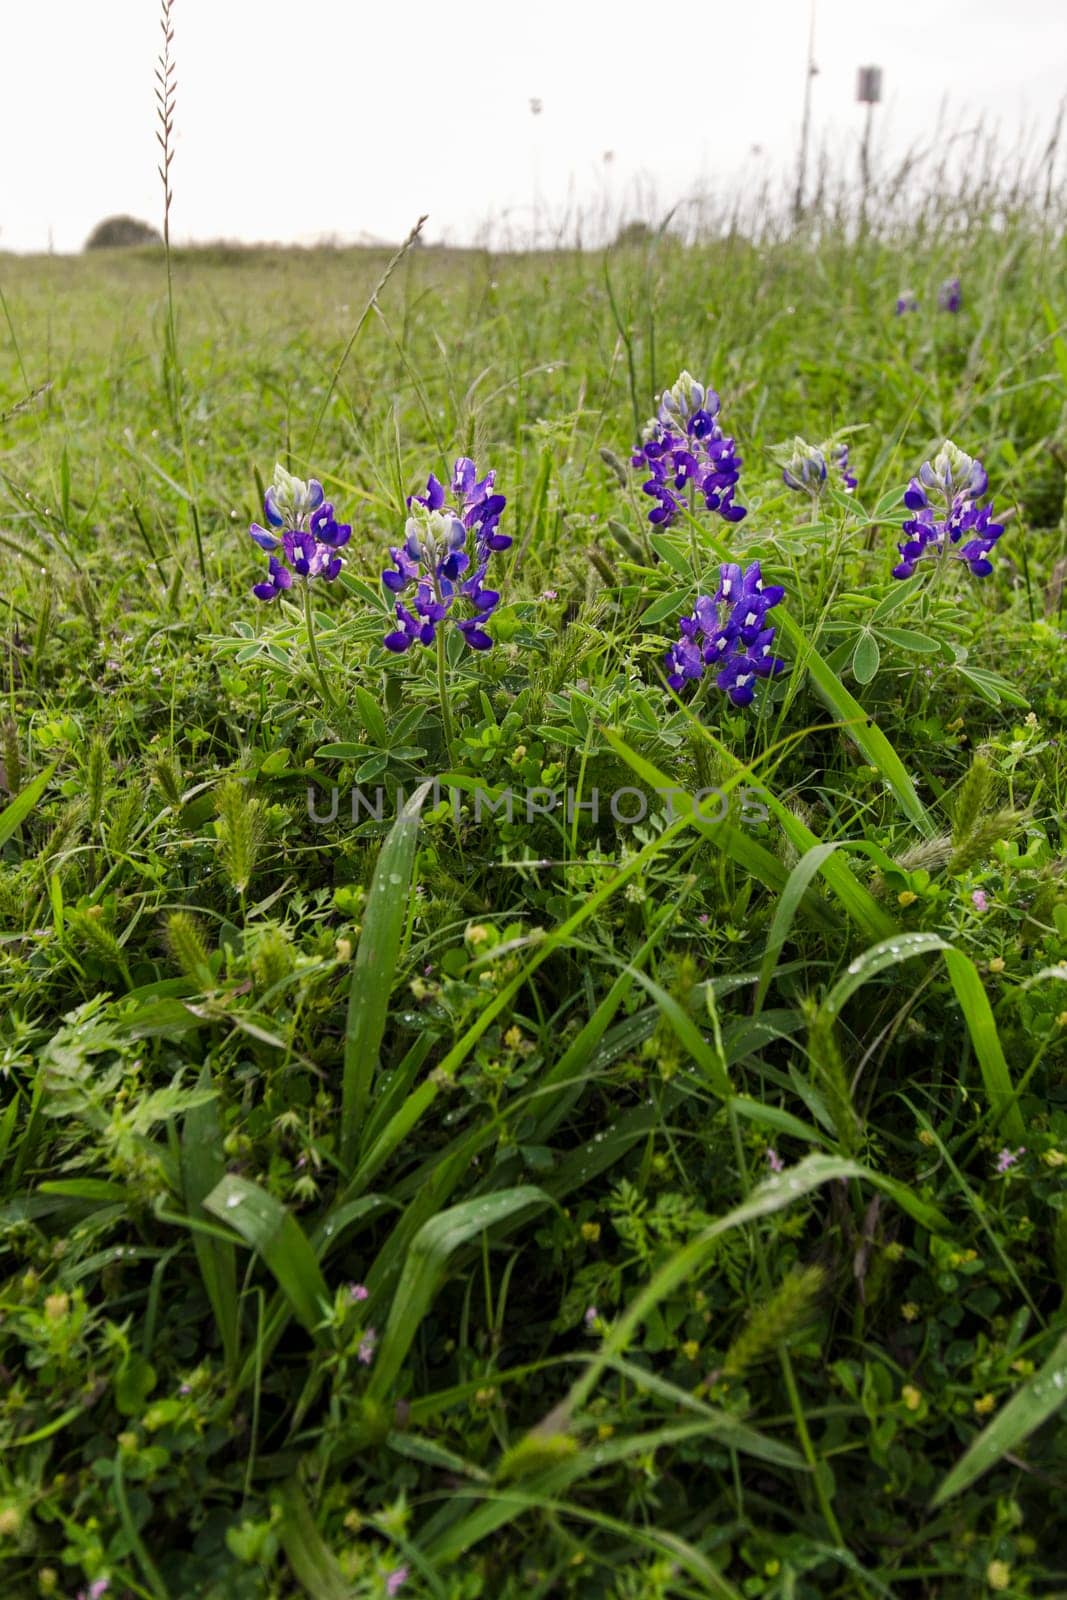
[{"x": 869, "y": 86}]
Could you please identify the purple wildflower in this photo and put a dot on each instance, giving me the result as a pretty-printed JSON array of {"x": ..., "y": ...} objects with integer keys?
[
  {"x": 96, "y": 1590},
  {"x": 311, "y": 536},
  {"x": 950, "y": 295},
  {"x": 367, "y": 1345},
  {"x": 907, "y": 300},
  {"x": 840, "y": 461},
  {"x": 806, "y": 468},
  {"x": 396, "y": 1580},
  {"x": 943, "y": 499},
  {"x": 979, "y": 901},
  {"x": 1008, "y": 1158},
  {"x": 728, "y": 630},
  {"x": 689, "y": 457},
  {"x": 358, "y": 1291},
  {"x": 591, "y": 1314},
  {"x": 774, "y": 1160},
  {"x": 445, "y": 555}
]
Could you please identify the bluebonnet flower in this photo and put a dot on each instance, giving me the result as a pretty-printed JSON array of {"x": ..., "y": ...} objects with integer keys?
[
  {"x": 689, "y": 457},
  {"x": 445, "y": 556},
  {"x": 950, "y": 295},
  {"x": 729, "y": 630},
  {"x": 311, "y": 536},
  {"x": 907, "y": 300},
  {"x": 840, "y": 460},
  {"x": 943, "y": 497},
  {"x": 807, "y": 469}
]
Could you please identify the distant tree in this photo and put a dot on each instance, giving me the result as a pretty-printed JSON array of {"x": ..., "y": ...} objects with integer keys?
[
  {"x": 116, "y": 233},
  {"x": 633, "y": 233}
]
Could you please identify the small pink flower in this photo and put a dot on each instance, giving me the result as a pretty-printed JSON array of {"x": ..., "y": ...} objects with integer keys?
[
  {"x": 703, "y": 919},
  {"x": 774, "y": 1161},
  {"x": 549, "y": 594},
  {"x": 590, "y": 1316},
  {"x": 979, "y": 901},
  {"x": 366, "y": 1347},
  {"x": 1007, "y": 1158},
  {"x": 396, "y": 1579},
  {"x": 358, "y": 1291}
]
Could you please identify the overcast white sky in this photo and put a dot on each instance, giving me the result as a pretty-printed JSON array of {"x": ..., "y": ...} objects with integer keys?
[{"x": 300, "y": 118}]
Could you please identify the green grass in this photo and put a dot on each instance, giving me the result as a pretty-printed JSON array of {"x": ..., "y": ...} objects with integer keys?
[{"x": 519, "y": 1078}]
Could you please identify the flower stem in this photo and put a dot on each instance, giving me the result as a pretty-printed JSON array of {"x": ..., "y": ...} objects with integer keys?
[
  {"x": 313, "y": 647},
  {"x": 442, "y": 691}
]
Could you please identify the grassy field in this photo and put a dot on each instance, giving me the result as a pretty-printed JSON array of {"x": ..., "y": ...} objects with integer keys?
[{"x": 634, "y": 1196}]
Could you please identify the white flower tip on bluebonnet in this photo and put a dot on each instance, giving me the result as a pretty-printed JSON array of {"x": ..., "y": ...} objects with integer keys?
[
  {"x": 806, "y": 467},
  {"x": 954, "y": 472},
  {"x": 684, "y": 397},
  {"x": 428, "y": 534},
  {"x": 293, "y": 498}
]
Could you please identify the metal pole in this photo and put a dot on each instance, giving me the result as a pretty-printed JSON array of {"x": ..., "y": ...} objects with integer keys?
[{"x": 805, "y": 126}]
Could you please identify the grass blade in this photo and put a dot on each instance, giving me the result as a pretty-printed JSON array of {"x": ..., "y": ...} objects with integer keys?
[
  {"x": 14, "y": 814},
  {"x": 203, "y": 1165},
  {"x": 268, "y": 1227},
  {"x": 425, "y": 1267},
  {"x": 1039, "y": 1398},
  {"x": 374, "y": 966}
]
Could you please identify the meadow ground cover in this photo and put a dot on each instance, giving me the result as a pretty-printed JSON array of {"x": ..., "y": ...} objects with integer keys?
[{"x": 544, "y": 1075}]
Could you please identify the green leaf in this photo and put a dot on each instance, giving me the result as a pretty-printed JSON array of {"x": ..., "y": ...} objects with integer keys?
[
  {"x": 14, "y": 814},
  {"x": 789, "y": 902},
  {"x": 689, "y": 1036},
  {"x": 774, "y": 1117},
  {"x": 666, "y": 606},
  {"x": 370, "y": 714},
  {"x": 861, "y": 729},
  {"x": 857, "y": 901},
  {"x": 891, "y": 601},
  {"x": 687, "y": 1263},
  {"x": 992, "y": 687},
  {"x": 1039, "y": 1398},
  {"x": 973, "y": 1002},
  {"x": 866, "y": 658},
  {"x": 203, "y": 1165},
  {"x": 267, "y": 1226},
  {"x": 134, "y": 1382},
  {"x": 314, "y": 1565},
  {"x": 373, "y": 971},
  {"x": 906, "y": 639},
  {"x": 424, "y": 1271},
  {"x": 978, "y": 1015},
  {"x": 674, "y": 555},
  {"x": 875, "y": 960},
  {"x": 344, "y": 751}
]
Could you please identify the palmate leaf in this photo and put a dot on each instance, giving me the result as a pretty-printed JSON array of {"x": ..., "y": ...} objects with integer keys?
[{"x": 1039, "y": 1398}]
